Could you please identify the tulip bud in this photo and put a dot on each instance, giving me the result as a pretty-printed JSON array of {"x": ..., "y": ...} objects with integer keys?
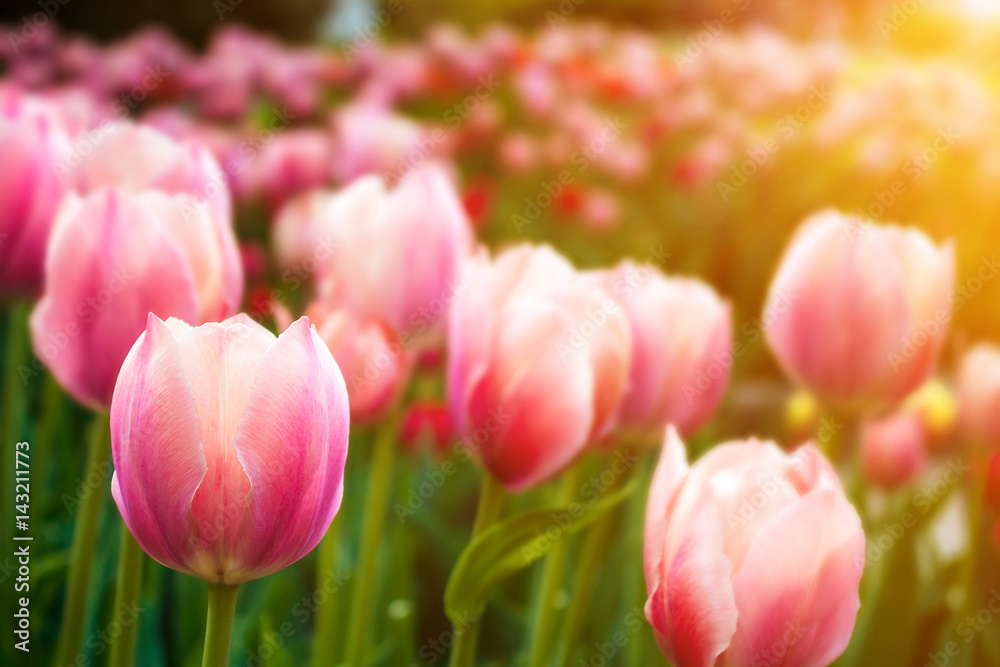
[
  {"x": 748, "y": 552},
  {"x": 537, "y": 363},
  {"x": 857, "y": 312},
  {"x": 893, "y": 449},
  {"x": 979, "y": 395},
  {"x": 34, "y": 143},
  {"x": 681, "y": 339},
  {"x": 229, "y": 446},
  {"x": 114, "y": 257}
]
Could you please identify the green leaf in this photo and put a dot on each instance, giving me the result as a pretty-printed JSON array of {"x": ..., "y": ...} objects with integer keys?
[{"x": 508, "y": 547}]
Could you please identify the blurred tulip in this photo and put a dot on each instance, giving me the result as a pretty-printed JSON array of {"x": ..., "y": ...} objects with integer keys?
[
  {"x": 138, "y": 157},
  {"x": 115, "y": 257},
  {"x": 681, "y": 358},
  {"x": 370, "y": 139},
  {"x": 749, "y": 552},
  {"x": 407, "y": 284},
  {"x": 33, "y": 142},
  {"x": 979, "y": 395},
  {"x": 601, "y": 210},
  {"x": 376, "y": 366},
  {"x": 857, "y": 313},
  {"x": 893, "y": 449},
  {"x": 295, "y": 160},
  {"x": 427, "y": 419},
  {"x": 537, "y": 363},
  {"x": 229, "y": 446}
]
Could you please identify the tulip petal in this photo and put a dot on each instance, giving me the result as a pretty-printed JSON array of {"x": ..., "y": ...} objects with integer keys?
[
  {"x": 292, "y": 446},
  {"x": 669, "y": 475},
  {"x": 692, "y": 607},
  {"x": 157, "y": 453},
  {"x": 797, "y": 590}
]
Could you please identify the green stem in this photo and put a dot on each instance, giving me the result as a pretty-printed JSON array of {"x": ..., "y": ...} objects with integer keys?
[
  {"x": 88, "y": 515},
  {"x": 591, "y": 555},
  {"x": 637, "y": 650},
  {"x": 363, "y": 593},
  {"x": 491, "y": 497},
  {"x": 219, "y": 627},
  {"x": 552, "y": 580},
  {"x": 327, "y": 621},
  {"x": 126, "y": 598}
]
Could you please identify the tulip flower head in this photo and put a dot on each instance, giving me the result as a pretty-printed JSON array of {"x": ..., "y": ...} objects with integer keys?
[
  {"x": 113, "y": 258},
  {"x": 34, "y": 142},
  {"x": 681, "y": 339},
  {"x": 538, "y": 357},
  {"x": 857, "y": 312},
  {"x": 229, "y": 445},
  {"x": 893, "y": 448},
  {"x": 744, "y": 546}
]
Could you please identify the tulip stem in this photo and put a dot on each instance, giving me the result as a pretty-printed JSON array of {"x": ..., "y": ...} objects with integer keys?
[
  {"x": 552, "y": 579},
  {"x": 126, "y": 598},
  {"x": 219, "y": 627},
  {"x": 88, "y": 515},
  {"x": 324, "y": 640},
  {"x": 491, "y": 497},
  {"x": 592, "y": 551},
  {"x": 363, "y": 592}
]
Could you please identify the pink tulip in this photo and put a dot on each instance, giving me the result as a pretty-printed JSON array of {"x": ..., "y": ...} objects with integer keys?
[
  {"x": 138, "y": 157},
  {"x": 295, "y": 160},
  {"x": 979, "y": 395},
  {"x": 537, "y": 363},
  {"x": 376, "y": 366},
  {"x": 229, "y": 445},
  {"x": 33, "y": 141},
  {"x": 751, "y": 554},
  {"x": 407, "y": 284},
  {"x": 370, "y": 139},
  {"x": 682, "y": 339},
  {"x": 893, "y": 449},
  {"x": 857, "y": 312},
  {"x": 113, "y": 258}
]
